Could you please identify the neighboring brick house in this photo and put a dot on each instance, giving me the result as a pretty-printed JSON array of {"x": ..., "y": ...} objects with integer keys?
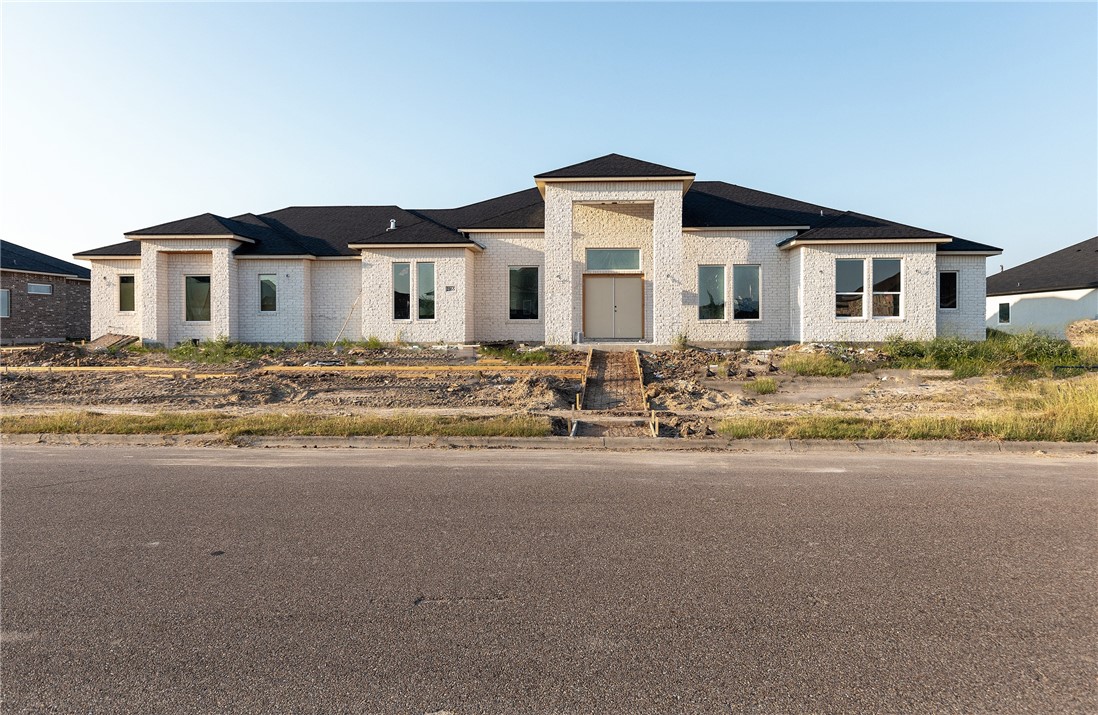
[
  {"x": 42, "y": 298},
  {"x": 608, "y": 249},
  {"x": 1048, "y": 293}
]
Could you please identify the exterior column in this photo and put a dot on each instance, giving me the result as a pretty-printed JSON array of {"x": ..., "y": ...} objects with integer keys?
[
  {"x": 223, "y": 293},
  {"x": 667, "y": 252},
  {"x": 558, "y": 290},
  {"x": 153, "y": 302}
]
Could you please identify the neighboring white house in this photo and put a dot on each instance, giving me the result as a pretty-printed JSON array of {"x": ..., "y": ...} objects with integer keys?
[
  {"x": 1048, "y": 293},
  {"x": 609, "y": 249}
]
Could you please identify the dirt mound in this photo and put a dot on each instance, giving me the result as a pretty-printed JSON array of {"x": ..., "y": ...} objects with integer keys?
[
  {"x": 541, "y": 393},
  {"x": 1083, "y": 333},
  {"x": 47, "y": 355}
]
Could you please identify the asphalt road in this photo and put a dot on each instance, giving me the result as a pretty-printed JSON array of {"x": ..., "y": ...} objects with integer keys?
[{"x": 178, "y": 580}]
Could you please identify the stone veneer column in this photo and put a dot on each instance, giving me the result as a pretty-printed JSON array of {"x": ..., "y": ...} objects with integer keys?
[
  {"x": 667, "y": 251},
  {"x": 152, "y": 284},
  {"x": 223, "y": 291},
  {"x": 559, "y": 292}
]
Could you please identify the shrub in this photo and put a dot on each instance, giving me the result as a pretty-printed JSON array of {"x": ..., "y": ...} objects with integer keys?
[
  {"x": 374, "y": 343},
  {"x": 510, "y": 354}
]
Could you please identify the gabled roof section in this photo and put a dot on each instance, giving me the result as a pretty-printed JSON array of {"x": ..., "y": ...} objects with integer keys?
[
  {"x": 1070, "y": 268},
  {"x": 701, "y": 209},
  {"x": 126, "y": 248},
  {"x": 852, "y": 226},
  {"x": 14, "y": 257},
  {"x": 614, "y": 166},
  {"x": 206, "y": 224},
  {"x": 331, "y": 230},
  {"x": 490, "y": 211},
  {"x": 791, "y": 211},
  {"x": 963, "y": 245}
]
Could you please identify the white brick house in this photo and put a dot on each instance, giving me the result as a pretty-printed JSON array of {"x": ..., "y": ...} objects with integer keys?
[{"x": 609, "y": 249}]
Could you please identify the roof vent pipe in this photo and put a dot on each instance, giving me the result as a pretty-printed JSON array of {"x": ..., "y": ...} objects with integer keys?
[{"x": 392, "y": 224}]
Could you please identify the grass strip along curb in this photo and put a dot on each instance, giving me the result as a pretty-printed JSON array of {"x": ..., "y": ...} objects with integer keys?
[{"x": 281, "y": 425}]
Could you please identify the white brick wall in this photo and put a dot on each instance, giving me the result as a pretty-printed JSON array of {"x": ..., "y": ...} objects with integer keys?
[
  {"x": 490, "y": 304},
  {"x": 918, "y": 319},
  {"x": 289, "y": 323},
  {"x": 105, "y": 315},
  {"x": 566, "y": 236},
  {"x": 967, "y": 321},
  {"x": 334, "y": 299},
  {"x": 451, "y": 289},
  {"x": 729, "y": 248},
  {"x": 180, "y": 265},
  {"x": 1047, "y": 312}
]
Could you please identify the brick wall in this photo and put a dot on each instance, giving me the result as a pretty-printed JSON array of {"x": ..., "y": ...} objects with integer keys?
[
  {"x": 967, "y": 321},
  {"x": 491, "y": 288},
  {"x": 289, "y": 322},
  {"x": 451, "y": 289},
  {"x": 65, "y": 314},
  {"x": 105, "y": 315},
  {"x": 334, "y": 299}
]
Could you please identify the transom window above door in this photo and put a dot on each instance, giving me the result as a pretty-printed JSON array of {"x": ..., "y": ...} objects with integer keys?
[{"x": 613, "y": 259}]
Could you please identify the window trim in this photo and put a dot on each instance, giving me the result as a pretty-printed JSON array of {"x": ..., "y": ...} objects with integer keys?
[
  {"x": 999, "y": 317},
  {"x": 587, "y": 262},
  {"x": 527, "y": 321},
  {"x": 956, "y": 291},
  {"x": 259, "y": 285},
  {"x": 133, "y": 282},
  {"x": 48, "y": 286},
  {"x": 6, "y": 311},
  {"x": 836, "y": 293},
  {"x": 392, "y": 290},
  {"x": 874, "y": 292},
  {"x": 758, "y": 267},
  {"x": 197, "y": 275},
  {"x": 419, "y": 298},
  {"x": 724, "y": 293}
]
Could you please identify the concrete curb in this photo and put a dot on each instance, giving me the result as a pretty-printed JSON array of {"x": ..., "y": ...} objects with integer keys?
[{"x": 884, "y": 446}]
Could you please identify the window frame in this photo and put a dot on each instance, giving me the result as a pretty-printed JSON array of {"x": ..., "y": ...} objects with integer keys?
[
  {"x": 209, "y": 278},
  {"x": 413, "y": 291},
  {"x": 874, "y": 292},
  {"x": 47, "y": 286},
  {"x": 1000, "y": 315},
  {"x": 133, "y": 292},
  {"x": 434, "y": 290},
  {"x": 758, "y": 298},
  {"x": 836, "y": 292},
  {"x": 5, "y": 304},
  {"x": 724, "y": 293},
  {"x": 956, "y": 291},
  {"x": 537, "y": 294},
  {"x": 587, "y": 260},
  {"x": 274, "y": 281},
  {"x": 393, "y": 291}
]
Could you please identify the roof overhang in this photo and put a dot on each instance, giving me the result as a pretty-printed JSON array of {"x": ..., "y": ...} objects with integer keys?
[
  {"x": 745, "y": 228},
  {"x": 471, "y": 246},
  {"x": 501, "y": 230},
  {"x": 794, "y": 243},
  {"x": 197, "y": 237},
  {"x": 686, "y": 179},
  {"x": 81, "y": 257},
  {"x": 972, "y": 253},
  {"x": 45, "y": 273}
]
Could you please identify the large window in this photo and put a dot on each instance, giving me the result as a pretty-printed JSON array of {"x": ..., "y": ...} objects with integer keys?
[
  {"x": 745, "y": 292},
  {"x": 40, "y": 288},
  {"x": 849, "y": 288},
  {"x": 126, "y": 302},
  {"x": 198, "y": 298},
  {"x": 886, "y": 287},
  {"x": 425, "y": 288},
  {"x": 710, "y": 292},
  {"x": 613, "y": 259},
  {"x": 402, "y": 291},
  {"x": 1004, "y": 313},
  {"x": 947, "y": 290},
  {"x": 5, "y": 303},
  {"x": 268, "y": 292},
  {"x": 523, "y": 293}
]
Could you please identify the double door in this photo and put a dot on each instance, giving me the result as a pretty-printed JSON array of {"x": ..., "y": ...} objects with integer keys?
[{"x": 613, "y": 307}]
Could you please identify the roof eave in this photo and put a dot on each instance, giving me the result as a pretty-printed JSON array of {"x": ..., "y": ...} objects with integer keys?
[
  {"x": 794, "y": 242},
  {"x": 686, "y": 179},
  {"x": 470, "y": 245},
  {"x": 45, "y": 273},
  {"x": 196, "y": 236}
]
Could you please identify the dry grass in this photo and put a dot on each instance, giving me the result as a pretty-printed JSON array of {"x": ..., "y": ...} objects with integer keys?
[
  {"x": 1063, "y": 411},
  {"x": 277, "y": 425},
  {"x": 761, "y": 386},
  {"x": 816, "y": 364}
]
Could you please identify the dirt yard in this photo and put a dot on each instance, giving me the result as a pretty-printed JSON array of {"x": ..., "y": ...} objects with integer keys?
[{"x": 692, "y": 389}]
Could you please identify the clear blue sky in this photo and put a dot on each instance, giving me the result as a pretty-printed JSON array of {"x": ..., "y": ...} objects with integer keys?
[{"x": 978, "y": 120}]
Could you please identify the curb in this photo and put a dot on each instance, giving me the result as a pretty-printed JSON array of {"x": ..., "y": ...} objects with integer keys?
[{"x": 884, "y": 446}]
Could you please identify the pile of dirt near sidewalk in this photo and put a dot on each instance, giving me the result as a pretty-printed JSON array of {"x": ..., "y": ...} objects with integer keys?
[{"x": 1083, "y": 334}]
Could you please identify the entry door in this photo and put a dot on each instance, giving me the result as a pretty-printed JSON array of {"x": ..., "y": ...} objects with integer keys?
[{"x": 613, "y": 307}]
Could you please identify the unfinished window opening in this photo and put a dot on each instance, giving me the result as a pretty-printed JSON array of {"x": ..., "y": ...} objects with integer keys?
[
  {"x": 711, "y": 293},
  {"x": 849, "y": 288},
  {"x": 268, "y": 292},
  {"x": 402, "y": 291},
  {"x": 126, "y": 299},
  {"x": 523, "y": 293},
  {"x": 947, "y": 290},
  {"x": 745, "y": 292},
  {"x": 886, "y": 287},
  {"x": 197, "y": 299}
]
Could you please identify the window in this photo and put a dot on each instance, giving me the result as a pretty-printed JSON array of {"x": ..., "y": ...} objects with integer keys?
[
  {"x": 947, "y": 290},
  {"x": 268, "y": 293},
  {"x": 40, "y": 288},
  {"x": 745, "y": 292},
  {"x": 425, "y": 285},
  {"x": 849, "y": 287},
  {"x": 1004, "y": 313},
  {"x": 5, "y": 303},
  {"x": 523, "y": 293},
  {"x": 126, "y": 294},
  {"x": 402, "y": 291},
  {"x": 198, "y": 298},
  {"x": 710, "y": 292},
  {"x": 886, "y": 287},
  {"x": 613, "y": 259}
]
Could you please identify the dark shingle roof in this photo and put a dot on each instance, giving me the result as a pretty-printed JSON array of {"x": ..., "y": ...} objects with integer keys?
[
  {"x": 612, "y": 166},
  {"x": 14, "y": 257},
  {"x": 329, "y": 230},
  {"x": 126, "y": 248},
  {"x": 960, "y": 245},
  {"x": 1069, "y": 268}
]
